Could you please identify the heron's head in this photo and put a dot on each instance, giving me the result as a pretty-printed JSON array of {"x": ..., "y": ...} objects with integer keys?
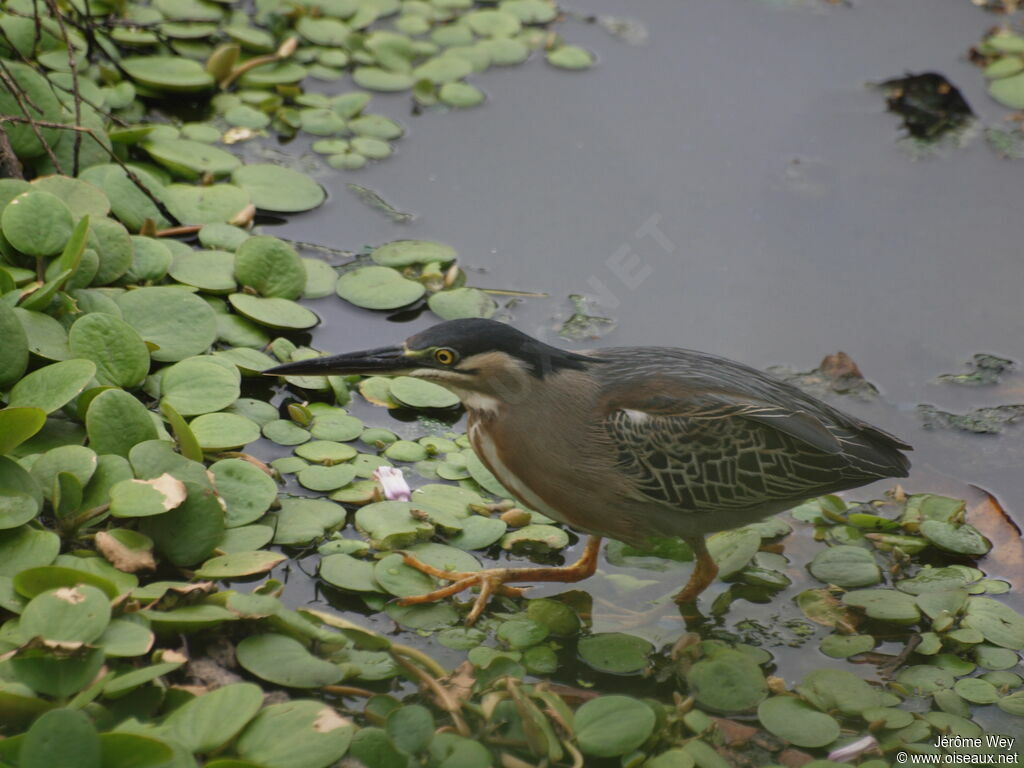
[{"x": 467, "y": 356}]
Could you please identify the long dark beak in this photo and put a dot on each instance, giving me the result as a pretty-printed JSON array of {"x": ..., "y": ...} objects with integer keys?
[{"x": 386, "y": 360}]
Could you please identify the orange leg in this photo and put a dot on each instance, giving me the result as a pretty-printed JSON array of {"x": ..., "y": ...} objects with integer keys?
[
  {"x": 495, "y": 580},
  {"x": 704, "y": 572}
]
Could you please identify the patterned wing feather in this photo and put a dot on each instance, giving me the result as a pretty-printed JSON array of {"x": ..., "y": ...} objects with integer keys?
[{"x": 711, "y": 454}]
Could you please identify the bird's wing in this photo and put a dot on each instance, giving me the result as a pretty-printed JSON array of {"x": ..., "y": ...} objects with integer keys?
[{"x": 723, "y": 451}]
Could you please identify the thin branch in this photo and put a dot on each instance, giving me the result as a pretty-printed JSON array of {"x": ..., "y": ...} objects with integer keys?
[
  {"x": 75, "y": 90},
  {"x": 21, "y": 97},
  {"x": 10, "y": 166},
  {"x": 113, "y": 156}
]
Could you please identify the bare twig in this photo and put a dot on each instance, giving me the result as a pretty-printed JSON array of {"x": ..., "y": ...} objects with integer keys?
[
  {"x": 75, "y": 90},
  {"x": 130, "y": 173},
  {"x": 25, "y": 103}
]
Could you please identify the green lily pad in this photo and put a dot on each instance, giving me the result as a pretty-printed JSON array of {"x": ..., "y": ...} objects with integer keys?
[
  {"x": 271, "y": 267},
  {"x": 278, "y": 189},
  {"x": 120, "y": 355},
  {"x": 348, "y": 572},
  {"x": 926, "y": 678},
  {"x": 116, "y": 421},
  {"x": 37, "y": 223},
  {"x": 733, "y": 550},
  {"x": 417, "y": 393},
  {"x": 168, "y": 73},
  {"x": 446, "y": 68},
  {"x": 187, "y": 534},
  {"x": 378, "y": 288},
  {"x": 283, "y": 314},
  {"x": 199, "y": 385},
  {"x": 282, "y": 660},
  {"x": 16, "y": 426},
  {"x": 208, "y": 722},
  {"x": 462, "y": 95},
  {"x": 535, "y": 538},
  {"x": 143, "y": 498},
  {"x": 1008, "y": 91},
  {"x": 45, "y": 336},
  {"x": 247, "y": 490},
  {"x": 797, "y": 722},
  {"x": 458, "y": 303},
  {"x": 321, "y": 279},
  {"x": 727, "y": 682},
  {"x": 216, "y": 203},
  {"x": 570, "y": 57},
  {"x": 377, "y": 79},
  {"x": 179, "y": 323},
  {"x": 616, "y": 653},
  {"x": 479, "y": 532},
  {"x": 885, "y": 605},
  {"x": 224, "y": 431},
  {"x": 191, "y": 159},
  {"x": 614, "y": 725},
  {"x": 16, "y": 508},
  {"x": 391, "y": 525},
  {"x": 846, "y": 566},
  {"x": 210, "y": 271},
  {"x": 326, "y": 478},
  {"x": 839, "y": 689},
  {"x": 239, "y": 564},
  {"x": 13, "y": 347},
  {"x": 844, "y": 646},
  {"x": 52, "y": 386},
  {"x": 77, "y": 614},
  {"x": 24, "y": 138},
  {"x": 377, "y": 126},
  {"x": 997, "y": 622},
  {"x": 296, "y": 734},
  {"x": 960, "y": 539},
  {"x": 25, "y": 547}
]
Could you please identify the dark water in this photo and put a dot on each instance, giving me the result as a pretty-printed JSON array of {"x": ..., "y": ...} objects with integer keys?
[{"x": 732, "y": 185}]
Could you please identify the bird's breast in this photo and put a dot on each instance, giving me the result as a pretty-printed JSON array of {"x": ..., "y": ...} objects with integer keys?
[{"x": 485, "y": 435}]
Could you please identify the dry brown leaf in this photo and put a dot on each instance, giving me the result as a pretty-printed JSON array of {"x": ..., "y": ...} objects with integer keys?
[
  {"x": 995, "y": 524},
  {"x": 123, "y": 558}
]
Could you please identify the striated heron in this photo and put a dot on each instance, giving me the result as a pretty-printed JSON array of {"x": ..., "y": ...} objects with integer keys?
[{"x": 629, "y": 443}]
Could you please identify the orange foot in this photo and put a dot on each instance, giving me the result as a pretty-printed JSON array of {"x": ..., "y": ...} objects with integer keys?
[
  {"x": 495, "y": 580},
  {"x": 703, "y": 574}
]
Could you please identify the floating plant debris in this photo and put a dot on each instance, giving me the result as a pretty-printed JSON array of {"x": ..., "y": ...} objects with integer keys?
[
  {"x": 987, "y": 370},
  {"x": 930, "y": 105}
]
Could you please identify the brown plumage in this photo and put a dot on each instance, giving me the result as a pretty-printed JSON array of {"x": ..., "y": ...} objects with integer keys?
[{"x": 634, "y": 443}]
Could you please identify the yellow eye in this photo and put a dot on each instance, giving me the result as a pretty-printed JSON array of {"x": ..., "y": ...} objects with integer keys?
[{"x": 444, "y": 356}]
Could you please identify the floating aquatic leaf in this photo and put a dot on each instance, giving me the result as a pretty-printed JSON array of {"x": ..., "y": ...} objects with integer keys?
[
  {"x": 378, "y": 288},
  {"x": 797, "y": 722},
  {"x": 278, "y": 189},
  {"x": 52, "y": 386},
  {"x": 846, "y": 566},
  {"x": 570, "y": 57},
  {"x": 285, "y": 661},
  {"x": 614, "y": 725},
  {"x": 461, "y": 95},
  {"x": 177, "y": 322},
  {"x": 37, "y": 223},
  {"x": 191, "y": 159},
  {"x": 417, "y": 393},
  {"x": 274, "y": 312}
]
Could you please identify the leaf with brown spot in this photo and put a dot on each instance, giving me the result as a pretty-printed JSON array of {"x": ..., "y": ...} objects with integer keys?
[
  {"x": 123, "y": 557},
  {"x": 328, "y": 720},
  {"x": 72, "y": 595},
  {"x": 822, "y": 608}
]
